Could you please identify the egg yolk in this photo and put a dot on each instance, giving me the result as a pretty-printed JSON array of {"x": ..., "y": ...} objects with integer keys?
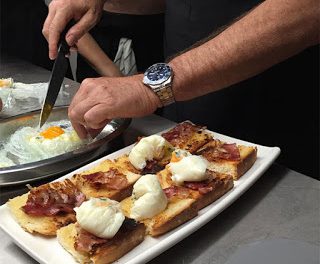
[
  {"x": 175, "y": 157},
  {"x": 52, "y": 132},
  {"x": 3, "y": 83}
]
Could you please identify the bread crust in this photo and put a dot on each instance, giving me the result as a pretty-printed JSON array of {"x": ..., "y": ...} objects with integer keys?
[
  {"x": 223, "y": 185},
  {"x": 236, "y": 169},
  {"x": 123, "y": 165},
  {"x": 175, "y": 215},
  {"x": 113, "y": 250},
  {"x": 44, "y": 225},
  {"x": 188, "y": 136}
]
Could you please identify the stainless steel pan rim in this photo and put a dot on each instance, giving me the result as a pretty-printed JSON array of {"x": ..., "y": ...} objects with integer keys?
[{"x": 59, "y": 164}]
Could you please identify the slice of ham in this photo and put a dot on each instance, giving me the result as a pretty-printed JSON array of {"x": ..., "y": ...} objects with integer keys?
[
  {"x": 152, "y": 167},
  {"x": 52, "y": 199},
  {"x": 203, "y": 186},
  {"x": 217, "y": 150},
  {"x": 112, "y": 179},
  {"x": 87, "y": 242},
  {"x": 180, "y": 133},
  {"x": 229, "y": 152},
  {"x": 176, "y": 191}
]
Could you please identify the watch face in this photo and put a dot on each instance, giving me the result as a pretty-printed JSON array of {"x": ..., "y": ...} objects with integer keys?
[{"x": 157, "y": 74}]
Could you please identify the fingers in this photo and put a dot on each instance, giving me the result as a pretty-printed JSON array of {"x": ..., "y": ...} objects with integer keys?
[
  {"x": 61, "y": 12},
  {"x": 80, "y": 129},
  {"x": 57, "y": 25},
  {"x": 82, "y": 27},
  {"x": 98, "y": 116},
  {"x": 85, "y": 124},
  {"x": 47, "y": 23}
]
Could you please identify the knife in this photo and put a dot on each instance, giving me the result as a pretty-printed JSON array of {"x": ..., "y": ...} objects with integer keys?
[{"x": 58, "y": 73}]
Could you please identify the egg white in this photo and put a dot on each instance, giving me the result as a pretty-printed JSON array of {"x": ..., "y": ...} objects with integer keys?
[{"x": 28, "y": 145}]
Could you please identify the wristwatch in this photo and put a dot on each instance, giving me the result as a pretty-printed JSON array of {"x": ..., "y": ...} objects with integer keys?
[{"x": 159, "y": 78}]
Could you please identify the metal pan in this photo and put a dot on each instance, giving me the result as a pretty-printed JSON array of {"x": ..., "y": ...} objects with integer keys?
[{"x": 58, "y": 164}]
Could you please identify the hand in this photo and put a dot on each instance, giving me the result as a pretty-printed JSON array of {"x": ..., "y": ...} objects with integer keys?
[
  {"x": 101, "y": 99},
  {"x": 86, "y": 12}
]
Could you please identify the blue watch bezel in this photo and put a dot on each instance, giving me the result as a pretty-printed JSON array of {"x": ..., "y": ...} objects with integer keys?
[{"x": 148, "y": 81}]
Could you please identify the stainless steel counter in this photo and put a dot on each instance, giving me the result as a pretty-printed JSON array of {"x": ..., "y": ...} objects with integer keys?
[{"x": 282, "y": 206}]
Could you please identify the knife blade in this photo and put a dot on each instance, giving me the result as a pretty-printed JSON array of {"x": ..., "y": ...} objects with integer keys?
[{"x": 58, "y": 73}]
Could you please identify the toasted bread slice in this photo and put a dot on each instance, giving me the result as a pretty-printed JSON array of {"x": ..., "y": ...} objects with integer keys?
[
  {"x": 235, "y": 168},
  {"x": 44, "y": 225},
  {"x": 187, "y": 136},
  {"x": 114, "y": 249},
  {"x": 219, "y": 185},
  {"x": 178, "y": 211},
  {"x": 122, "y": 165}
]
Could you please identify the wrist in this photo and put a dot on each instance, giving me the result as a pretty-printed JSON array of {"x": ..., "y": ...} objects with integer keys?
[
  {"x": 180, "y": 81},
  {"x": 150, "y": 97},
  {"x": 158, "y": 78}
]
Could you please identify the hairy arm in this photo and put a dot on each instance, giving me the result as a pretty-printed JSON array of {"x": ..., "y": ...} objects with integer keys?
[
  {"x": 272, "y": 32},
  {"x": 136, "y": 7},
  {"x": 96, "y": 57}
]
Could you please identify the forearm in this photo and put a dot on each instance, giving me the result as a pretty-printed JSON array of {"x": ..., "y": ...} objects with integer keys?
[
  {"x": 96, "y": 57},
  {"x": 136, "y": 7},
  {"x": 272, "y": 32}
]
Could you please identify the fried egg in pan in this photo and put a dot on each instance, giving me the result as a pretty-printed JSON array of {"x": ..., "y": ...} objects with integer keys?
[{"x": 29, "y": 144}]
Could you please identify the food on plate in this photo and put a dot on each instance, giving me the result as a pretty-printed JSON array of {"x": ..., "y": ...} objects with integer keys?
[
  {"x": 29, "y": 144},
  {"x": 150, "y": 154},
  {"x": 187, "y": 136},
  {"x": 160, "y": 184},
  {"x": 202, "y": 184},
  {"x": 102, "y": 234},
  {"x": 148, "y": 198},
  {"x": 230, "y": 159},
  {"x": 149, "y": 205},
  {"x": 111, "y": 179},
  {"x": 46, "y": 208}
]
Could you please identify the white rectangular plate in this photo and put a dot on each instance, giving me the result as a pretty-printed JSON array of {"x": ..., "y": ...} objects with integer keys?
[{"x": 48, "y": 250}]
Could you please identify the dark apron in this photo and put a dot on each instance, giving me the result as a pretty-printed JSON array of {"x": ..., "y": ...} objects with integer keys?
[
  {"x": 277, "y": 107},
  {"x": 188, "y": 21}
]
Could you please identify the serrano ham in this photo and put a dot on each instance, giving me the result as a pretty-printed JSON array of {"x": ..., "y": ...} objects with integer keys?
[
  {"x": 203, "y": 187},
  {"x": 178, "y": 191},
  {"x": 152, "y": 167},
  {"x": 217, "y": 150},
  {"x": 180, "y": 133},
  {"x": 87, "y": 242},
  {"x": 52, "y": 199},
  {"x": 111, "y": 179}
]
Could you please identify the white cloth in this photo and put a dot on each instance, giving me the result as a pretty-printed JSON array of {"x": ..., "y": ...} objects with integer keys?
[
  {"x": 125, "y": 58},
  {"x": 22, "y": 97}
]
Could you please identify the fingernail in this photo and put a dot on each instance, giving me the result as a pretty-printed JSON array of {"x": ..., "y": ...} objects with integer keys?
[{"x": 70, "y": 40}]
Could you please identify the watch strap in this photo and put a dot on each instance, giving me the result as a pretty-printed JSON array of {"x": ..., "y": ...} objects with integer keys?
[{"x": 165, "y": 94}]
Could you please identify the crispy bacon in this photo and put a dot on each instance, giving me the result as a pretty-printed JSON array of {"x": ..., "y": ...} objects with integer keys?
[
  {"x": 178, "y": 191},
  {"x": 87, "y": 242},
  {"x": 229, "y": 152},
  {"x": 53, "y": 198},
  {"x": 152, "y": 167},
  {"x": 180, "y": 133},
  {"x": 112, "y": 179},
  {"x": 216, "y": 150},
  {"x": 203, "y": 186}
]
